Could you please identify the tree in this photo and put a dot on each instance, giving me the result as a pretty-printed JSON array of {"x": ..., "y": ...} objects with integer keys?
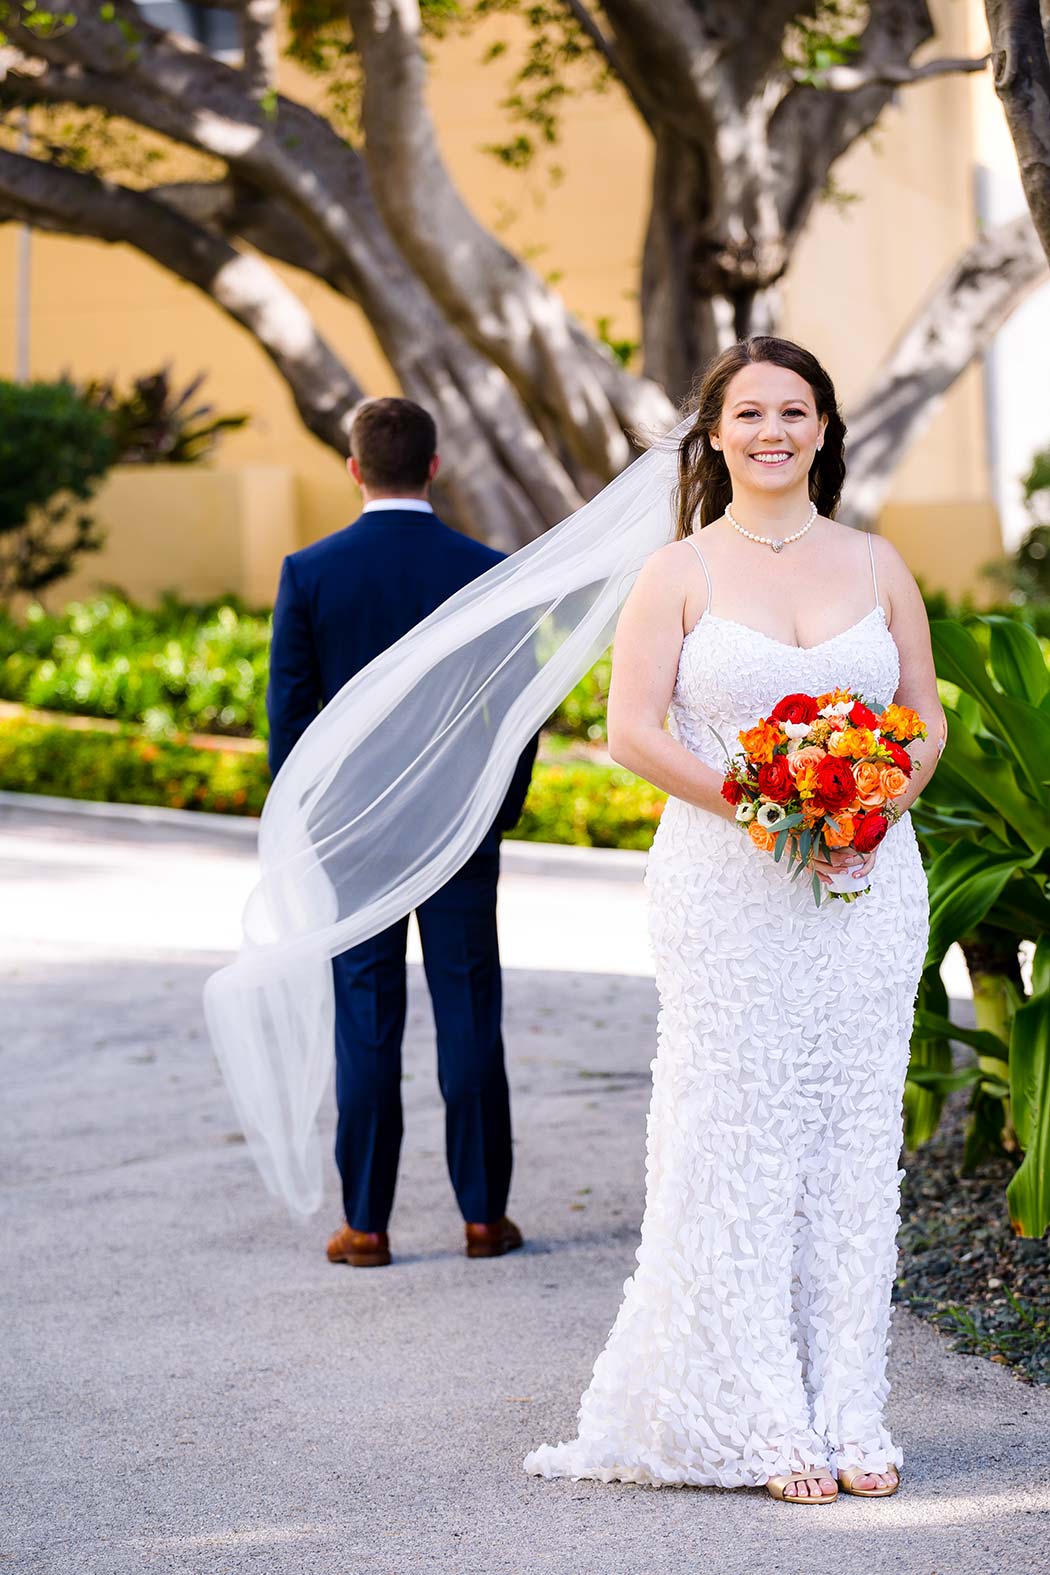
[
  {"x": 1020, "y": 35},
  {"x": 750, "y": 104}
]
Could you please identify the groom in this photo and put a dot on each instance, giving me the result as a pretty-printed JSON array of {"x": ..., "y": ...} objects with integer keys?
[{"x": 339, "y": 604}]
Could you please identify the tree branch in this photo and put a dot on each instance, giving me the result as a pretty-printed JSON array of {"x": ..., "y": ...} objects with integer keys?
[
  {"x": 66, "y": 202},
  {"x": 957, "y": 322},
  {"x": 852, "y": 79}
]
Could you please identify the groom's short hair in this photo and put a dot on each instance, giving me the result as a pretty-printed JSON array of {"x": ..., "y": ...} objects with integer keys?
[{"x": 393, "y": 441}]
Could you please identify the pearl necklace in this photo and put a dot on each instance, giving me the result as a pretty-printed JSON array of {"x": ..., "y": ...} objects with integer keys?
[{"x": 776, "y": 542}]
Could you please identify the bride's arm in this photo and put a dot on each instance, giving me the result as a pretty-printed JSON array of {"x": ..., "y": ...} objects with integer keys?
[
  {"x": 910, "y": 629},
  {"x": 648, "y": 645}
]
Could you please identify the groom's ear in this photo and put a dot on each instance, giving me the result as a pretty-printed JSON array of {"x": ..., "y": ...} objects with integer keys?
[
  {"x": 354, "y": 469},
  {"x": 435, "y": 466}
]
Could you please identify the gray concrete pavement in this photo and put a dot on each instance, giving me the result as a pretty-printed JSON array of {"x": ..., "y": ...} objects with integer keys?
[{"x": 189, "y": 1386}]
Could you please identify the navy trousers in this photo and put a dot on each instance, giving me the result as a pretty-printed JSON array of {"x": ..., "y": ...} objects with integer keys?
[{"x": 457, "y": 928}]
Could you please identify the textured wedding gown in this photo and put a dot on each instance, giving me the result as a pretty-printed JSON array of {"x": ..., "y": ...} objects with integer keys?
[{"x": 752, "y": 1337}]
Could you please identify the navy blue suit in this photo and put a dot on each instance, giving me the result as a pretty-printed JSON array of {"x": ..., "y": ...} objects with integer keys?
[{"x": 340, "y": 603}]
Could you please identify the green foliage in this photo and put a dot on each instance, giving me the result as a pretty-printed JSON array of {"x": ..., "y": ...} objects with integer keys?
[
  {"x": 54, "y": 450},
  {"x": 153, "y": 424},
  {"x": 127, "y": 768},
  {"x": 984, "y": 825},
  {"x": 588, "y": 806},
  {"x": 591, "y": 806},
  {"x": 198, "y": 668}
]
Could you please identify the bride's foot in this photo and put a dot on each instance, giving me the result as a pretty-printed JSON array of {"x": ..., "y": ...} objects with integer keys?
[
  {"x": 869, "y": 1484},
  {"x": 814, "y": 1487}
]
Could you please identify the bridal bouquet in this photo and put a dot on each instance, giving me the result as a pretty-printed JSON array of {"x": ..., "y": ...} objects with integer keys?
[{"x": 822, "y": 772}]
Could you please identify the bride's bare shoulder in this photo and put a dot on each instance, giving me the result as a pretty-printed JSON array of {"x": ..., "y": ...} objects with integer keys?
[{"x": 667, "y": 562}]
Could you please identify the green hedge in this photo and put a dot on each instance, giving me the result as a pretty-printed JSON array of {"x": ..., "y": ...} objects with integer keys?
[
  {"x": 588, "y": 805},
  {"x": 178, "y": 667},
  {"x": 127, "y": 768}
]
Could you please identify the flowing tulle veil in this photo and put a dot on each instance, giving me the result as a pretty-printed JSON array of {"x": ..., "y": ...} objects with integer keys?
[{"x": 394, "y": 785}]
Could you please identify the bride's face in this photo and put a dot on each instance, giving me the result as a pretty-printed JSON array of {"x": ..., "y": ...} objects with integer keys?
[{"x": 769, "y": 428}]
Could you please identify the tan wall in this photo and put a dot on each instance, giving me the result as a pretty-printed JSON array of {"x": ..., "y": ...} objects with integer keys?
[
  {"x": 857, "y": 276},
  {"x": 200, "y": 531}
]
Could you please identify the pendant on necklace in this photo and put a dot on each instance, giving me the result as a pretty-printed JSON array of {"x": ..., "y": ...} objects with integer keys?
[{"x": 776, "y": 545}]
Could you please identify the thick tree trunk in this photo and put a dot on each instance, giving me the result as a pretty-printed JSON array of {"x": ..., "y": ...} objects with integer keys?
[{"x": 1020, "y": 34}]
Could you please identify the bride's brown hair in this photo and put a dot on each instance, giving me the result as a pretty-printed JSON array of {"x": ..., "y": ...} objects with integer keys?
[{"x": 703, "y": 476}]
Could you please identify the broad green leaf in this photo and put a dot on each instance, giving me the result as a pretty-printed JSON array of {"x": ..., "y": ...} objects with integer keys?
[
  {"x": 935, "y": 1025},
  {"x": 969, "y": 776},
  {"x": 1024, "y": 729},
  {"x": 922, "y": 1106},
  {"x": 964, "y": 883},
  {"x": 1028, "y": 1194},
  {"x": 1023, "y": 908},
  {"x": 1017, "y": 660},
  {"x": 1041, "y": 966}
]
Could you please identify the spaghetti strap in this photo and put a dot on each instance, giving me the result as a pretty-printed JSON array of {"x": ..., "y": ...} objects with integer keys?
[
  {"x": 871, "y": 559},
  {"x": 707, "y": 576}
]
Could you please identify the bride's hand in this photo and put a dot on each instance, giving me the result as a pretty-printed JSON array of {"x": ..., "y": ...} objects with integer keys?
[{"x": 859, "y": 864}]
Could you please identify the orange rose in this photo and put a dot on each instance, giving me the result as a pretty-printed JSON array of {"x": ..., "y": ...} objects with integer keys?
[
  {"x": 892, "y": 781},
  {"x": 761, "y": 837},
  {"x": 867, "y": 777},
  {"x": 808, "y": 755},
  {"x": 844, "y": 836},
  {"x": 841, "y": 743},
  {"x": 761, "y": 740},
  {"x": 812, "y": 810}
]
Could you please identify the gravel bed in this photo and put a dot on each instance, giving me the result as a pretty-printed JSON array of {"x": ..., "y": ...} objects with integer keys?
[{"x": 961, "y": 1266}]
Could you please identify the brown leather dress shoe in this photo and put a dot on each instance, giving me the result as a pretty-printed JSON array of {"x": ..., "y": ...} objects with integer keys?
[
  {"x": 492, "y": 1241},
  {"x": 363, "y": 1249}
]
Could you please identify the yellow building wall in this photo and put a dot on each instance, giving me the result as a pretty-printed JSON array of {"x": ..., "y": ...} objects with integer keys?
[{"x": 858, "y": 274}]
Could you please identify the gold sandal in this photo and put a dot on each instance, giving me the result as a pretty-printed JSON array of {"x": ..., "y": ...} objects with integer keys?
[
  {"x": 847, "y": 1478},
  {"x": 775, "y": 1487}
]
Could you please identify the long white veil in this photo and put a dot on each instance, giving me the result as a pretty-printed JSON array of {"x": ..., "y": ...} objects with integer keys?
[{"x": 395, "y": 784}]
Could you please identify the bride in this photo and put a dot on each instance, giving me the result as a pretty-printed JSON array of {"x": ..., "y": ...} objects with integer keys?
[{"x": 750, "y": 1347}]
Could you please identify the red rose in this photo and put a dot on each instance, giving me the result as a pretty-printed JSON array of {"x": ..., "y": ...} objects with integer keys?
[
  {"x": 900, "y": 755},
  {"x": 795, "y": 708},
  {"x": 732, "y": 792},
  {"x": 869, "y": 831},
  {"x": 774, "y": 780},
  {"x": 836, "y": 785},
  {"x": 860, "y": 716}
]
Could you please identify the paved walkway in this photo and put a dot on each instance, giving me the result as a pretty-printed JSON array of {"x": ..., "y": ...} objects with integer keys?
[{"x": 190, "y": 1387}]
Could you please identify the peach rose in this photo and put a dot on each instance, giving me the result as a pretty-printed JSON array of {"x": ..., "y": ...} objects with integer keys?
[
  {"x": 811, "y": 809},
  {"x": 844, "y": 836},
  {"x": 808, "y": 755},
  {"x": 892, "y": 781},
  {"x": 761, "y": 837},
  {"x": 867, "y": 777}
]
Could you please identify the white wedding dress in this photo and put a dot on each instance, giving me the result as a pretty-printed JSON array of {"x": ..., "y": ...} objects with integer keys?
[{"x": 752, "y": 1337}]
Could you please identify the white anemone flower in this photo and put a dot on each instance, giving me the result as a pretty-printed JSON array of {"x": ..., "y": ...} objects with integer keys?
[
  {"x": 745, "y": 811},
  {"x": 840, "y": 708},
  {"x": 770, "y": 814},
  {"x": 796, "y": 730}
]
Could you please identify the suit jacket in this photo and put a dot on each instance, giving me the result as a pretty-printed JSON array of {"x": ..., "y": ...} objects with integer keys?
[{"x": 348, "y": 597}]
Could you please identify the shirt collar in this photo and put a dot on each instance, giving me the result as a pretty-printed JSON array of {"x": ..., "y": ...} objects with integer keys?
[{"x": 402, "y": 505}]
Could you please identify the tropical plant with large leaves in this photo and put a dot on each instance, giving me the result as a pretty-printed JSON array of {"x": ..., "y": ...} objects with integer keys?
[{"x": 984, "y": 822}]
